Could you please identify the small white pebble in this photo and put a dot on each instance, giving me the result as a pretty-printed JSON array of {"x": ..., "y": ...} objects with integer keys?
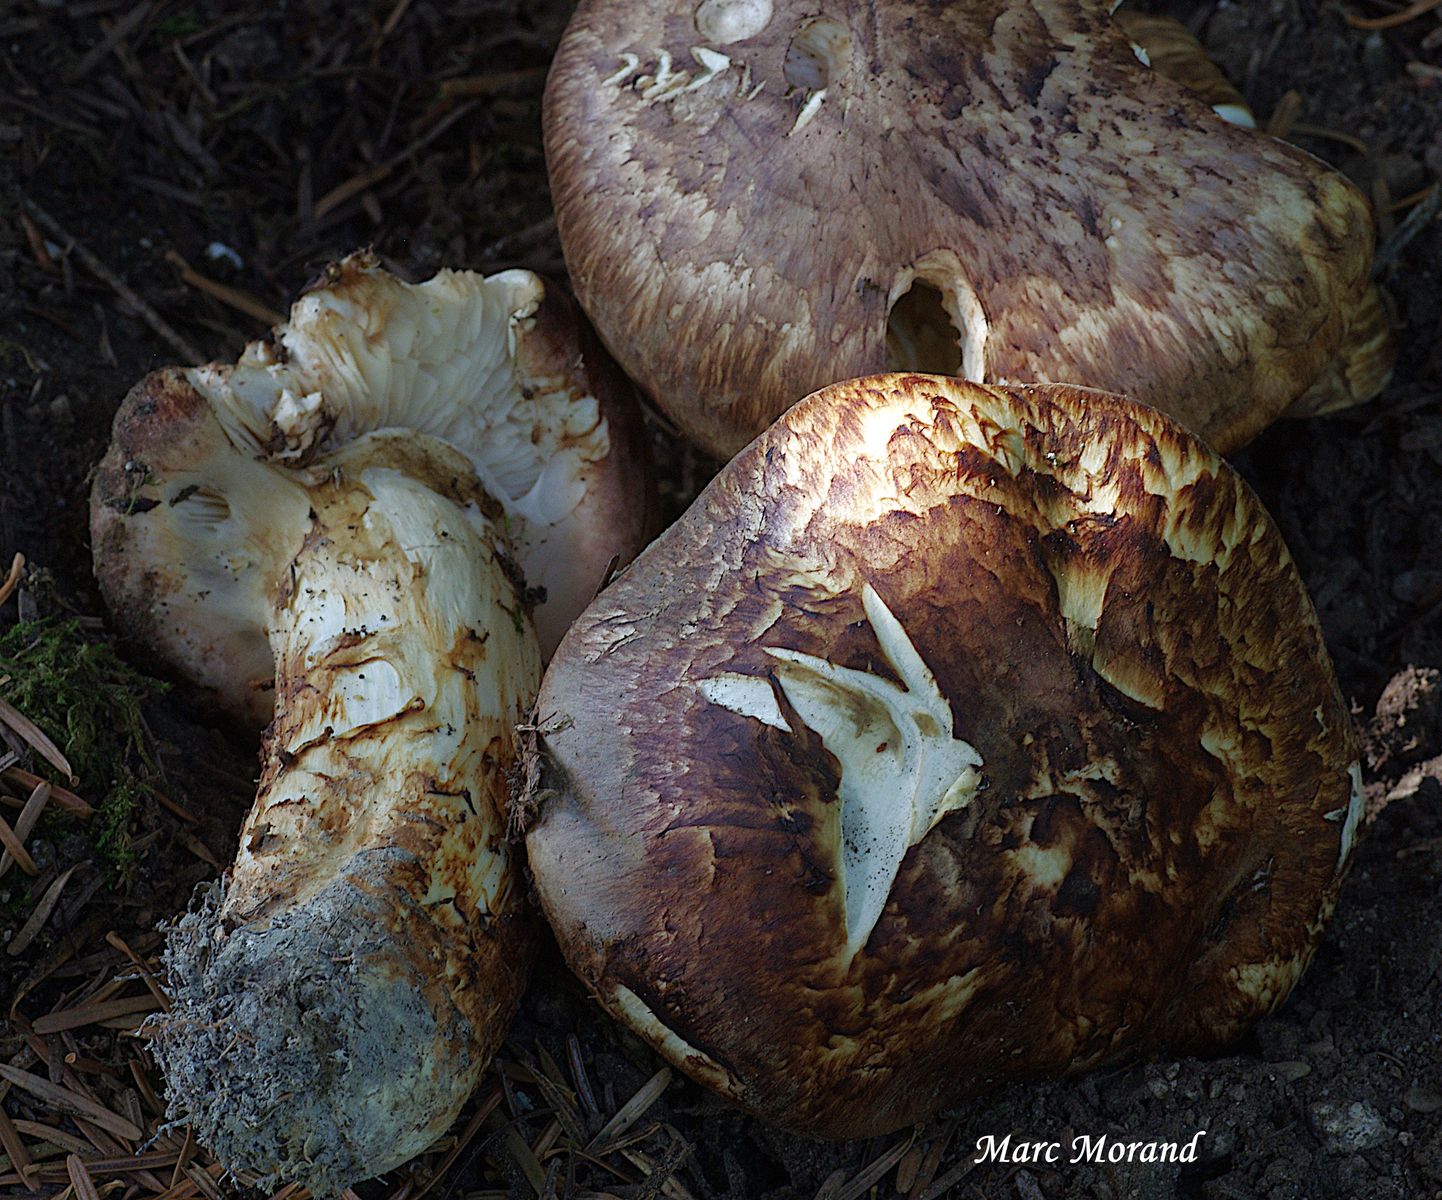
[{"x": 219, "y": 250}]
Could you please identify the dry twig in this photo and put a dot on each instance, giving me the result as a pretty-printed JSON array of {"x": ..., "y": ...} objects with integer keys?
[
  {"x": 1392, "y": 20},
  {"x": 63, "y": 797},
  {"x": 36, "y": 738},
  {"x": 40, "y": 914},
  {"x": 71, "y": 1102},
  {"x": 122, "y": 289},
  {"x": 25, "y": 823},
  {"x": 233, "y": 297},
  {"x": 12, "y": 579}
]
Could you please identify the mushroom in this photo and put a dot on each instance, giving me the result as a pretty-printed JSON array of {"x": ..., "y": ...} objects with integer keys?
[
  {"x": 756, "y": 198},
  {"x": 956, "y": 735},
  {"x": 352, "y": 512}
]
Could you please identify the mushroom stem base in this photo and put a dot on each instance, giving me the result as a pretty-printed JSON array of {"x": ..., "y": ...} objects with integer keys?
[{"x": 291, "y": 1044}]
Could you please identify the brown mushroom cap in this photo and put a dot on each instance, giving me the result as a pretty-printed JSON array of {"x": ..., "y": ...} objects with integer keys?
[
  {"x": 956, "y": 735},
  {"x": 756, "y": 200}
]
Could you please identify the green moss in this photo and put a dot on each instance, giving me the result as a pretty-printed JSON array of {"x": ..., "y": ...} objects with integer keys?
[
  {"x": 179, "y": 25},
  {"x": 87, "y": 701}
]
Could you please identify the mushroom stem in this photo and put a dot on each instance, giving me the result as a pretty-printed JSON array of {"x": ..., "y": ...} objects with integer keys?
[
  {"x": 320, "y": 536},
  {"x": 351, "y": 968}
]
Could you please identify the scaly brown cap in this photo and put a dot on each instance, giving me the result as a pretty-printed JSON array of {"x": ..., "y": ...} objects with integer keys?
[
  {"x": 956, "y": 735},
  {"x": 756, "y": 200}
]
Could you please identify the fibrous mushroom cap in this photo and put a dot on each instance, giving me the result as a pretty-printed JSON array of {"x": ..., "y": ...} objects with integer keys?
[
  {"x": 754, "y": 199},
  {"x": 957, "y": 734}
]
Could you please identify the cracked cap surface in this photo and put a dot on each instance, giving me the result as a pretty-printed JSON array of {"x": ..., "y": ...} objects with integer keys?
[{"x": 1032, "y": 662}]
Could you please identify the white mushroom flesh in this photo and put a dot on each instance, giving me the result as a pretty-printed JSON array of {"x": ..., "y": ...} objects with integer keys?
[
  {"x": 438, "y": 358},
  {"x": 902, "y": 767}
]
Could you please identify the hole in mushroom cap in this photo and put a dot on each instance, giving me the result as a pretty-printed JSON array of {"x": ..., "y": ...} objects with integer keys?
[
  {"x": 920, "y": 335},
  {"x": 818, "y": 51},
  {"x": 727, "y": 21}
]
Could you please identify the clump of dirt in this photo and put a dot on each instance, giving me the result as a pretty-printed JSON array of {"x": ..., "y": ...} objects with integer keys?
[{"x": 172, "y": 172}]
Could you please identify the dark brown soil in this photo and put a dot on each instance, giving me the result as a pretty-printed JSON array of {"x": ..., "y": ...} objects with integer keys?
[{"x": 256, "y": 142}]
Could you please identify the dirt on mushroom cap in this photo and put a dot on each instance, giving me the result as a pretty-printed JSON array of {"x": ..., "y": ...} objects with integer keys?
[{"x": 1166, "y": 768}]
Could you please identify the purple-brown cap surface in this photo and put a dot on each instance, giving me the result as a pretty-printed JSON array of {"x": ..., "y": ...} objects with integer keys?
[{"x": 759, "y": 197}]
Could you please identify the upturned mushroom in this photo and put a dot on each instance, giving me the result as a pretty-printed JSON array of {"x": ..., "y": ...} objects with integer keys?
[
  {"x": 956, "y": 735},
  {"x": 339, "y": 531},
  {"x": 757, "y": 197}
]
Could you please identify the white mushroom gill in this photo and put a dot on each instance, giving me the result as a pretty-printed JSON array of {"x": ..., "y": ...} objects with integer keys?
[
  {"x": 370, "y": 353},
  {"x": 902, "y": 767}
]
